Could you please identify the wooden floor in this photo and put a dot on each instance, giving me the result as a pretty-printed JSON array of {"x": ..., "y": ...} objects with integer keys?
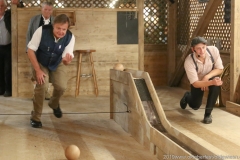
[
  {"x": 221, "y": 136},
  {"x": 86, "y": 124},
  {"x": 97, "y": 136}
]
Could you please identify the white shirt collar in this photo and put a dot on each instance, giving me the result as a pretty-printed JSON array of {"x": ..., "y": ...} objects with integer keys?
[{"x": 46, "y": 21}]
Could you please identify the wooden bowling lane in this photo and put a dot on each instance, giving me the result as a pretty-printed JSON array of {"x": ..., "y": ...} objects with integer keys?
[
  {"x": 97, "y": 136},
  {"x": 222, "y": 136},
  {"x": 101, "y": 138}
]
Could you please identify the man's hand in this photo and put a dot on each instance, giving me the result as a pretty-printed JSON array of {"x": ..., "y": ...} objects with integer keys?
[
  {"x": 40, "y": 77},
  {"x": 67, "y": 59},
  {"x": 217, "y": 81}
]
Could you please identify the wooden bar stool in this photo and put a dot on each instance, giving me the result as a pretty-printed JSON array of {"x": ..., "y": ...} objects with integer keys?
[{"x": 93, "y": 74}]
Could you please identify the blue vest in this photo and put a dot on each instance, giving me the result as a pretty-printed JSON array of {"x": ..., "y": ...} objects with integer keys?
[{"x": 49, "y": 52}]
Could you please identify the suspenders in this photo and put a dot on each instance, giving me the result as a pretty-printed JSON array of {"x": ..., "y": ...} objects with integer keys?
[{"x": 211, "y": 59}]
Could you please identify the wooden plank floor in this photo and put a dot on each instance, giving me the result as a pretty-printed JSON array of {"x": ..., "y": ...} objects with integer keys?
[
  {"x": 221, "y": 136},
  {"x": 97, "y": 136},
  {"x": 100, "y": 138}
]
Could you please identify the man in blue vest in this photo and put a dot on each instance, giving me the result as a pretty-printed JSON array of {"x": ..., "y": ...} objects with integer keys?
[{"x": 49, "y": 51}]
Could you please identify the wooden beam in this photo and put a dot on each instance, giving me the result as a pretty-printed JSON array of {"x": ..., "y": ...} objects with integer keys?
[
  {"x": 111, "y": 99},
  {"x": 201, "y": 28},
  {"x": 235, "y": 48},
  {"x": 233, "y": 108},
  {"x": 236, "y": 96},
  {"x": 140, "y": 5},
  {"x": 14, "y": 51},
  {"x": 172, "y": 38}
]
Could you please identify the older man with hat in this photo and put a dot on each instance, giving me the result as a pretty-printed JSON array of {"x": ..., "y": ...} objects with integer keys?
[{"x": 203, "y": 68}]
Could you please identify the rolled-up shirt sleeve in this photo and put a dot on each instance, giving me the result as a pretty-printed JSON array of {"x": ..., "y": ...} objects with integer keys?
[
  {"x": 35, "y": 41},
  {"x": 191, "y": 71},
  {"x": 218, "y": 61},
  {"x": 69, "y": 48}
]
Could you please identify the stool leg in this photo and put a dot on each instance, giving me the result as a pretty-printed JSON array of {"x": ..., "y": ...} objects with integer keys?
[
  {"x": 94, "y": 74},
  {"x": 78, "y": 75}
]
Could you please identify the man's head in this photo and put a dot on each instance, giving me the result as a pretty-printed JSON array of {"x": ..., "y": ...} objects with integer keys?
[
  {"x": 3, "y": 7},
  {"x": 60, "y": 25},
  {"x": 198, "y": 46},
  {"x": 47, "y": 9},
  {"x": 197, "y": 40}
]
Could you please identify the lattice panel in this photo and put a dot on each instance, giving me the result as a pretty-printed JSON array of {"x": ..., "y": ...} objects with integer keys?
[
  {"x": 8, "y": 4},
  {"x": 126, "y": 4},
  {"x": 82, "y": 3},
  {"x": 219, "y": 30},
  {"x": 188, "y": 18},
  {"x": 74, "y": 3},
  {"x": 155, "y": 22},
  {"x": 29, "y": 3},
  {"x": 226, "y": 78}
]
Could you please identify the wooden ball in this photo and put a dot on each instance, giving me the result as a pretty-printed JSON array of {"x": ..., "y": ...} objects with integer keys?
[
  {"x": 119, "y": 67},
  {"x": 72, "y": 152}
]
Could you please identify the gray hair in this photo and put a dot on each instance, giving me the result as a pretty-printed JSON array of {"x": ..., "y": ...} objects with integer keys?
[{"x": 46, "y": 3}]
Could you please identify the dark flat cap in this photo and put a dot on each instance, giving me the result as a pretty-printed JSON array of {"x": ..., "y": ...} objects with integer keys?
[{"x": 198, "y": 40}]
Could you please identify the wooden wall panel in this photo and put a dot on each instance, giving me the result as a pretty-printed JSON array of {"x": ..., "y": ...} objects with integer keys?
[
  {"x": 14, "y": 49},
  {"x": 24, "y": 17},
  {"x": 25, "y": 87},
  {"x": 94, "y": 29},
  {"x": 155, "y": 63},
  {"x": 235, "y": 48}
]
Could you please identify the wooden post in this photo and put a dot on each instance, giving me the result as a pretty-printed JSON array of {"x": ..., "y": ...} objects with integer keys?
[
  {"x": 78, "y": 75},
  {"x": 14, "y": 50},
  {"x": 172, "y": 38},
  {"x": 140, "y": 5},
  {"x": 111, "y": 98},
  {"x": 235, "y": 47}
]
